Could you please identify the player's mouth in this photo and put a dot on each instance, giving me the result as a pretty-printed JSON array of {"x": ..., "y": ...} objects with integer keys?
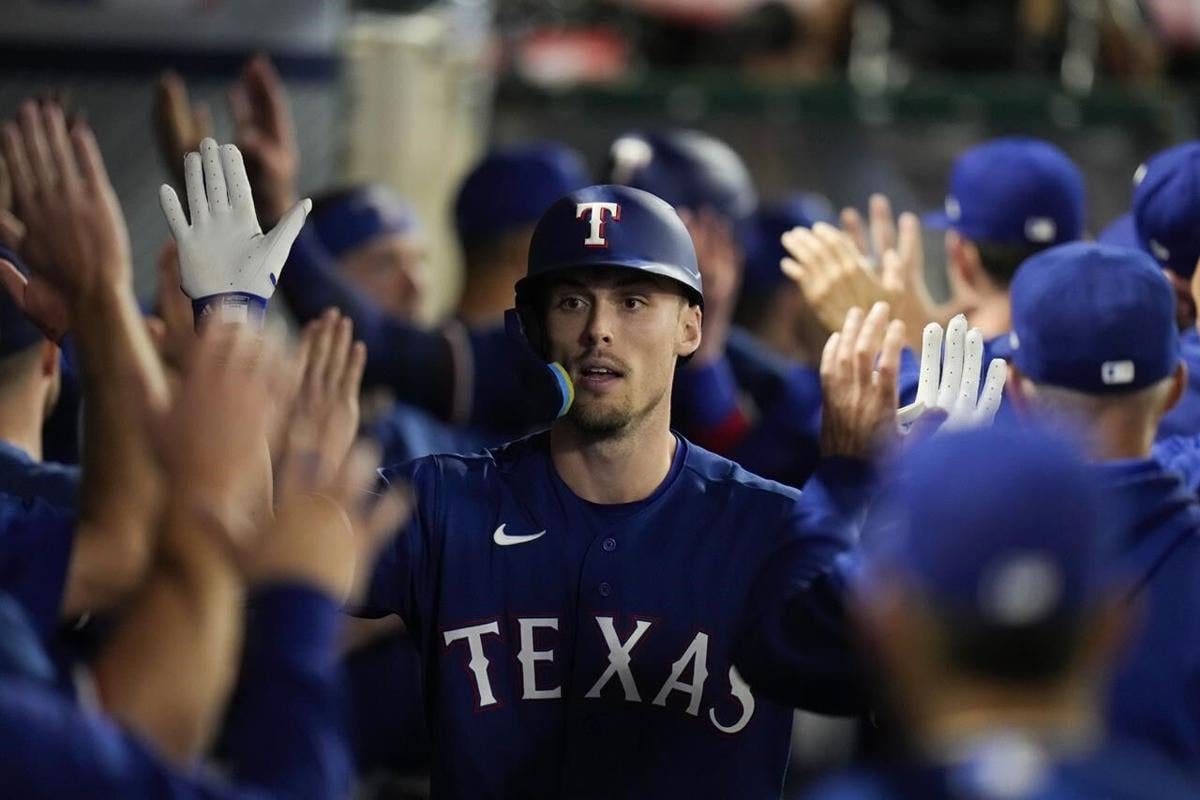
[{"x": 598, "y": 374}]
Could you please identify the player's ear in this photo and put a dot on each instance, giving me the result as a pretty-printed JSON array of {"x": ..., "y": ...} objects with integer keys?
[
  {"x": 689, "y": 330},
  {"x": 49, "y": 359},
  {"x": 1017, "y": 390}
]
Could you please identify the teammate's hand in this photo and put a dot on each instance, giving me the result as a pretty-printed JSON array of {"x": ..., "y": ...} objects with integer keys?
[
  {"x": 179, "y": 125},
  {"x": 950, "y": 382},
  {"x": 859, "y": 369},
  {"x": 835, "y": 277},
  {"x": 75, "y": 241},
  {"x": 721, "y": 271},
  {"x": 213, "y": 440},
  {"x": 225, "y": 259},
  {"x": 265, "y": 136},
  {"x": 327, "y": 402},
  {"x": 173, "y": 328},
  {"x": 328, "y": 533}
]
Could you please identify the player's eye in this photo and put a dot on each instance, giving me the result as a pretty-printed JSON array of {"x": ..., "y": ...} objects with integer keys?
[
  {"x": 570, "y": 302},
  {"x": 634, "y": 302}
]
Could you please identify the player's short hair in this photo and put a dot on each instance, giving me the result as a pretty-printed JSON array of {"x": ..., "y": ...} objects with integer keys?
[
  {"x": 1038, "y": 654},
  {"x": 1001, "y": 260},
  {"x": 1080, "y": 405}
]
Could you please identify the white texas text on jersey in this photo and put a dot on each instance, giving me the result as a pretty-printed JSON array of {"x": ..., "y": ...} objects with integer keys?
[{"x": 620, "y": 667}]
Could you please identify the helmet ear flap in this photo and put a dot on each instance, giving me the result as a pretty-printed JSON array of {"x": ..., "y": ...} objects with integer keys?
[{"x": 551, "y": 391}]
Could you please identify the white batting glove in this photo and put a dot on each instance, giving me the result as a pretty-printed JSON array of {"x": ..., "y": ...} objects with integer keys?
[
  {"x": 951, "y": 381},
  {"x": 226, "y": 263}
]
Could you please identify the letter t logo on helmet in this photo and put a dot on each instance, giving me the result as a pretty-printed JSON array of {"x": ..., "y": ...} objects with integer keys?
[{"x": 594, "y": 212}]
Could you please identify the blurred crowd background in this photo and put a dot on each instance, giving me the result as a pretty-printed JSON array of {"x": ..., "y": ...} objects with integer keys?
[{"x": 839, "y": 98}]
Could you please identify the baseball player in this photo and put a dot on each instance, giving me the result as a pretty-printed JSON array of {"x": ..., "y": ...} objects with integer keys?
[
  {"x": 378, "y": 245},
  {"x": 994, "y": 616},
  {"x": 594, "y": 603},
  {"x": 1095, "y": 346},
  {"x": 1162, "y": 224},
  {"x": 71, "y": 549}
]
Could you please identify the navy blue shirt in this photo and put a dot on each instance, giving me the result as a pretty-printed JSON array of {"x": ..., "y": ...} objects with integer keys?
[
  {"x": 283, "y": 739},
  {"x": 581, "y": 650},
  {"x": 1184, "y": 418},
  {"x": 22, "y": 477},
  {"x": 36, "y": 540},
  {"x": 1008, "y": 770},
  {"x": 1155, "y": 698}
]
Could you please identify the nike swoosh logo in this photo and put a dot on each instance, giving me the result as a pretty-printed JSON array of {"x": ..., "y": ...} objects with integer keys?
[{"x": 504, "y": 540}]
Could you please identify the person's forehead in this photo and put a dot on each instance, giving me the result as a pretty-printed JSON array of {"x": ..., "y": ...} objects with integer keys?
[{"x": 593, "y": 278}]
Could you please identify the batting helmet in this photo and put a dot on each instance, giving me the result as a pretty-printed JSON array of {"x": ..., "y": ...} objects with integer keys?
[
  {"x": 687, "y": 168},
  {"x": 611, "y": 226}
]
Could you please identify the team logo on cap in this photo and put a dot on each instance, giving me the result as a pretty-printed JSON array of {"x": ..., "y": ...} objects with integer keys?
[
  {"x": 1117, "y": 373},
  {"x": 1040, "y": 229},
  {"x": 595, "y": 213}
]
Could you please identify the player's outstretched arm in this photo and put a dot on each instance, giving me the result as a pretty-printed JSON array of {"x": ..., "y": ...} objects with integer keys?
[
  {"x": 168, "y": 669},
  {"x": 77, "y": 249}
]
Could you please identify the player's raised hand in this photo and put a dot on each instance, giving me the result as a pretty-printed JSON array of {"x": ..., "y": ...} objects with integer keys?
[
  {"x": 328, "y": 532},
  {"x": 213, "y": 439},
  {"x": 265, "y": 135},
  {"x": 327, "y": 402},
  {"x": 227, "y": 264},
  {"x": 75, "y": 241},
  {"x": 859, "y": 369},
  {"x": 179, "y": 124},
  {"x": 950, "y": 378}
]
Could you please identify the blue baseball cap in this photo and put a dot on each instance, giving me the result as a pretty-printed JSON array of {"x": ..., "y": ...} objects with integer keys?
[
  {"x": 358, "y": 216},
  {"x": 1005, "y": 527},
  {"x": 761, "y": 237},
  {"x": 689, "y": 169},
  {"x": 513, "y": 186},
  {"x": 1094, "y": 318},
  {"x": 612, "y": 226},
  {"x": 1014, "y": 191},
  {"x": 17, "y": 332},
  {"x": 1166, "y": 208}
]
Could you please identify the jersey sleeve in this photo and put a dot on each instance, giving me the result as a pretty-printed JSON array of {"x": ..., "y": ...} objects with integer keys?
[
  {"x": 403, "y": 579},
  {"x": 285, "y": 731},
  {"x": 51, "y": 749},
  {"x": 36, "y": 541},
  {"x": 795, "y": 643}
]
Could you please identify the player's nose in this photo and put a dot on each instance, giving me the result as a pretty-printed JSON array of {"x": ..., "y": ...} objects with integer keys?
[{"x": 599, "y": 328}]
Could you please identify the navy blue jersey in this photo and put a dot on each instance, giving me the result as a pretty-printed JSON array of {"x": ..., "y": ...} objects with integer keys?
[
  {"x": 284, "y": 738},
  {"x": 35, "y": 553},
  {"x": 1181, "y": 455},
  {"x": 22, "y": 477},
  {"x": 1184, "y": 418},
  {"x": 579, "y": 650},
  {"x": 1155, "y": 696},
  {"x": 1114, "y": 772}
]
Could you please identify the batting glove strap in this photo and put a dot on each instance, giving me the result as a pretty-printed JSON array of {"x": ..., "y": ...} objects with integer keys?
[{"x": 239, "y": 307}]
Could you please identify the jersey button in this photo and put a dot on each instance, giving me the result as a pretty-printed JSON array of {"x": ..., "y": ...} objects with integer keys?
[
  {"x": 605, "y": 589},
  {"x": 609, "y": 544}
]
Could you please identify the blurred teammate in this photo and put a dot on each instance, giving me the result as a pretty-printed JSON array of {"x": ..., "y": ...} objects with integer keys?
[
  {"x": 995, "y": 618},
  {"x": 1163, "y": 224},
  {"x": 1095, "y": 346}
]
